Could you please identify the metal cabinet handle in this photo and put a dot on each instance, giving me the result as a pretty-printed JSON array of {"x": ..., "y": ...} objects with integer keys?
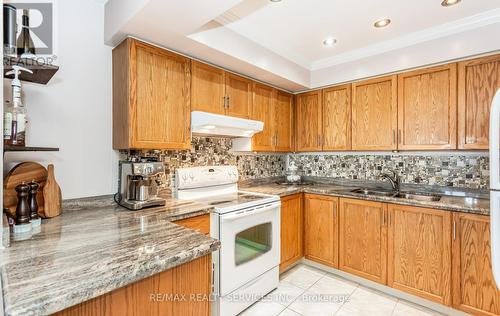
[
  {"x": 276, "y": 140},
  {"x": 399, "y": 136},
  {"x": 394, "y": 136},
  {"x": 454, "y": 230},
  {"x": 228, "y": 101}
]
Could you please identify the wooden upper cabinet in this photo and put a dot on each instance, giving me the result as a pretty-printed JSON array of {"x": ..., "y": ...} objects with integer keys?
[
  {"x": 419, "y": 252},
  {"x": 474, "y": 289},
  {"x": 321, "y": 229},
  {"x": 151, "y": 98},
  {"x": 207, "y": 88},
  {"x": 309, "y": 122},
  {"x": 264, "y": 98},
  {"x": 283, "y": 122},
  {"x": 363, "y": 239},
  {"x": 478, "y": 81},
  {"x": 427, "y": 108},
  {"x": 337, "y": 118},
  {"x": 291, "y": 230},
  {"x": 374, "y": 114},
  {"x": 239, "y": 96}
]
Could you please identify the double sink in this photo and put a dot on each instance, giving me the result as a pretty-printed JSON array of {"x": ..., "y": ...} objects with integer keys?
[{"x": 417, "y": 196}]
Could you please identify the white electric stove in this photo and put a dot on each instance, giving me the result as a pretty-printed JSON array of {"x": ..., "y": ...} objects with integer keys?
[{"x": 248, "y": 225}]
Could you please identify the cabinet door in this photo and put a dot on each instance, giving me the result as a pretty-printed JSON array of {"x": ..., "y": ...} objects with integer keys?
[
  {"x": 474, "y": 289},
  {"x": 207, "y": 88},
  {"x": 161, "y": 102},
  {"x": 337, "y": 118},
  {"x": 263, "y": 110},
  {"x": 374, "y": 114},
  {"x": 321, "y": 229},
  {"x": 291, "y": 230},
  {"x": 283, "y": 122},
  {"x": 363, "y": 239},
  {"x": 419, "y": 252},
  {"x": 427, "y": 108},
  {"x": 309, "y": 123},
  {"x": 478, "y": 80},
  {"x": 239, "y": 94}
]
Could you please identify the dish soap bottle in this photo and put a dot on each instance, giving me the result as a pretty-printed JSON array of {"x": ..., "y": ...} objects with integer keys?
[{"x": 14, "y": 122}]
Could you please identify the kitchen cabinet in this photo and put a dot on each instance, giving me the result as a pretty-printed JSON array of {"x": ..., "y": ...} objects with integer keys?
[
  {"x": 239, "y": 96},
  {"x": 284, "y": 122},
  {"x": 337, "y": 118},
  {"x": 151, "y": 97},
  {"x": 207, "y": 89},
  {"x": 427, "y": 108},
  {"x": 419, "y": 252},
  {"x": 321, "y": 229},
  {"x": 291, "y": 230},
  {"x": 264, "y": 108},
  {"x": 478, "y": 80},
  {"x": 474, "y": 289},
  {"x": 217, "y": 91},
  {"x": 275, "y": 109},
  {"x": 192, "y": 279},
  {"x": 199, "y": 223},
  {"x": 363, "y": 239},
  {"x": 309, "y": 121},
  {"x": 374, "y": 114}
]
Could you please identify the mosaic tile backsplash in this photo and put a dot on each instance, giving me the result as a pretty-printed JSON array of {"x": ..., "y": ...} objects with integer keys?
[
  {"x": 215, "y": 151},
  {"x": 457, "y": 170},
  {"x": 463, "y": 171}
]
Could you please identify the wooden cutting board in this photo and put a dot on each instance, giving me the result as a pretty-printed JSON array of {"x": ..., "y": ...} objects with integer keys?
[
  {"x": 52, "y": 195},
  {"x": 23, "y": 172}
]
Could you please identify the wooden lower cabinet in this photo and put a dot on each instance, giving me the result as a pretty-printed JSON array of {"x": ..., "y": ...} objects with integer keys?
[
  {"x": 199, "y": 223},
  {"x": 419, "y": 252},
  {"x": 321, "y": 229},
  {"x": 474, "y": 290},
  {"x": 190, "y": 283},
  {"x": 363, "y": 239},
  {"x": 291, "y": 230}
]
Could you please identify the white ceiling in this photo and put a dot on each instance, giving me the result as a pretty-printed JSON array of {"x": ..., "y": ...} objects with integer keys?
[
  {"x": 281, "y": 43},
  {"x": 296, "y": 29}
]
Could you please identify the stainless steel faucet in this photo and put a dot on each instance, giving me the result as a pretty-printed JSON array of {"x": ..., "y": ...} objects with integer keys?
[{"x": 395, "y": 180}]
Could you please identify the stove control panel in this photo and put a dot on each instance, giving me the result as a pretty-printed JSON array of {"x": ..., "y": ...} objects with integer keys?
[{"x": 199, "y": 177}]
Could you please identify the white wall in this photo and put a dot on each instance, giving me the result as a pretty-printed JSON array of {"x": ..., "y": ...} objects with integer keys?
[{"x": 73, "y": 112}]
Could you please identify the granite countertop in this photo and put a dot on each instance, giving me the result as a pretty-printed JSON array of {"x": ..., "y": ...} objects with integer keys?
[
  {"x": 453, "y": 200},
  {"x": 93, "y": 248}
]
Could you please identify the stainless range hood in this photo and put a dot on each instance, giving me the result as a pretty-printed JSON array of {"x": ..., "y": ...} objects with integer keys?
[{"x": 208, "y": 124}]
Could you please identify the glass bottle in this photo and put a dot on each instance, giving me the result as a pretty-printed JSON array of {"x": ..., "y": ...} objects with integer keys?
[{"x": 25, "y": 45}]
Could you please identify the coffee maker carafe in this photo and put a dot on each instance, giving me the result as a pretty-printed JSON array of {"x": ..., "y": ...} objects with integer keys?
[{"x": 139, "y": 183}]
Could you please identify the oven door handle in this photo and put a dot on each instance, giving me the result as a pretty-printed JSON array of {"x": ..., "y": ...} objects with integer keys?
[{"x": 249, "y": 212}]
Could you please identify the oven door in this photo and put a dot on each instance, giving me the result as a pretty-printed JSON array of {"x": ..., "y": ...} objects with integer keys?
[{"x": 250, "y": 245}]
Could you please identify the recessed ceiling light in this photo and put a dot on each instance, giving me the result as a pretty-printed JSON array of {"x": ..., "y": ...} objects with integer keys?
[
  {"x": 209, "y": 126},
  {"x": 382, "y": 23},
  {"x": 448, "y": 3},
  {"x": 329, "y": 41},
  {"x": 275, "y": 0}
]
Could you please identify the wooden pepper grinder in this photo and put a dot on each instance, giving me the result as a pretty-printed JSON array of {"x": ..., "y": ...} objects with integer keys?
[
  {"x": 32, "y": 199},
  {"x": 23, "y": 208}
]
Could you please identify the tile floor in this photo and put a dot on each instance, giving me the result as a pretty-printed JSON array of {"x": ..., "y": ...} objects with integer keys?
[{"x": 308, "y": 291}]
